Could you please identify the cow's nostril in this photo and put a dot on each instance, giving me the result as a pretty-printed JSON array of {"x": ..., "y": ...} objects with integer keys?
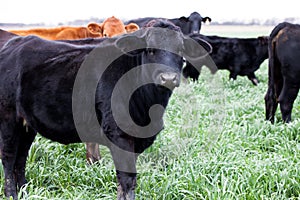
[{"x": 169, "y": 80}]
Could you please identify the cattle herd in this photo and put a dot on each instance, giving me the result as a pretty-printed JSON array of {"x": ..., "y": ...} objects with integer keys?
[{"x": 43, "y": 84}]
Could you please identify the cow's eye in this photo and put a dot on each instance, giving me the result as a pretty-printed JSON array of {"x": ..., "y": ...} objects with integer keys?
[{"x": 105, "y": 35}]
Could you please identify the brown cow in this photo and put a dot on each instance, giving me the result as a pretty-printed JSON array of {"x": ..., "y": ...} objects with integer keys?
[
  {"x": 113, "y": 26},
  {"x": 93, "y": 30}
]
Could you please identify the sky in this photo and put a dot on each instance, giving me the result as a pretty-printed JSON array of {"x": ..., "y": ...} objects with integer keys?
[{"x": 62, "y": 11}]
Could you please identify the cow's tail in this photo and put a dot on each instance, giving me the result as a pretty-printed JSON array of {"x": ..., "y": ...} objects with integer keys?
[{"x": 271, "y": 52}]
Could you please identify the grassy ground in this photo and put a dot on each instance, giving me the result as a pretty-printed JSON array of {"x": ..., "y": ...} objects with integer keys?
[{"x": 215, "y": 145}]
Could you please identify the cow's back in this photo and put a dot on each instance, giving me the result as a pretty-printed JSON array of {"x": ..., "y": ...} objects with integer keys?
[
  {"x": 38, "y": 74},
  {"x": 285, "y": 47},
  {"x": 141, "y": 22}
]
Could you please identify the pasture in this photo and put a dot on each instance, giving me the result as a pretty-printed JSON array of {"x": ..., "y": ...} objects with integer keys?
[{"x": 216, "y": 145}]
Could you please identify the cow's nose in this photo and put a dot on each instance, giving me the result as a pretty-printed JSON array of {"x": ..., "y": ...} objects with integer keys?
[
  {"x": 169, "y": 80},
  {"x": 195, "y": 31}
]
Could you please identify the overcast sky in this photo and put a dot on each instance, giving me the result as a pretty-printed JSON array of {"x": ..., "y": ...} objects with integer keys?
[{"x": 55, "y": 11}]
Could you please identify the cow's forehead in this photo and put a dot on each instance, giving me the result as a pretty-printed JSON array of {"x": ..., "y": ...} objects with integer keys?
[{"x": 164, "y": 38}]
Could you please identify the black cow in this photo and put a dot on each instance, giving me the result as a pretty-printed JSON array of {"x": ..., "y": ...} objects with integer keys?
[
  {"x": 56, "y": 87},
  {"x": 191, "y": 24},
  {"x": 5, "y": 36},
  {"x": 241, "y": 56},
  {"x": 284, "y": 70}
]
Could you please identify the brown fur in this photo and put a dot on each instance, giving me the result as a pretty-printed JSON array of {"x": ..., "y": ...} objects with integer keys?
[
  {"x": 63, "y": 33},
  {"x": 112, "y": 26}
]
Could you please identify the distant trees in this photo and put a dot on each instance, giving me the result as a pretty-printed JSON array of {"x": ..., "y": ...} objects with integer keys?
[
  {"x": 82, "y": 22},
  {"x": 268, "y": 22}
]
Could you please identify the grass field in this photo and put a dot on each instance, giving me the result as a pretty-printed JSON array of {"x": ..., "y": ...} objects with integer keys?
[{"x": 216, "y": 145}]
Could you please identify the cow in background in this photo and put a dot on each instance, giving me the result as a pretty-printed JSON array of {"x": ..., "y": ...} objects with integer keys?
[
  {"x": 5, "y": 36},
  {"x": 241, "y": 56},
  {"x": 284, "y": 70},
  {"x": 191, "y": 24},
  {"x": 92, "y": 30},
  {"x": 112, "y": 26}
]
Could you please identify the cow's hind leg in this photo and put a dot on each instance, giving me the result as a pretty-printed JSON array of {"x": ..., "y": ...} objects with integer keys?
[
  {"x": 16, "y": 142},
  {"x": 92, "y": 152},
  {"x": 26, "y": 138},
  {"x": 10, "y": 139},
  {"x": 271, "y": 104},
  {"x": 286, "y": 100}
]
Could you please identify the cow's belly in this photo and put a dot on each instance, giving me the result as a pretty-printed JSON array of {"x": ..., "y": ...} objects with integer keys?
[{"x": 46, "y": 106}]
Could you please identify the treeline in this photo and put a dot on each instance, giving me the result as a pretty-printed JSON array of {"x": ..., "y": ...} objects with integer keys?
[
  {"x": 267, "y": 22},
  {"x": 83, "y": 22}
]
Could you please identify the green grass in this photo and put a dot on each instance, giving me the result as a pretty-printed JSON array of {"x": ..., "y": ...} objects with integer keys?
[{"x": 216, "y": 145}]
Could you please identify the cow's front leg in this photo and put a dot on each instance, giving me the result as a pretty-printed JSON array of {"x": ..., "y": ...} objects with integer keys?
[
  {"x": 125, "y": 163},
  {"x": 126, "y": 185},
  {"x": 253, "y": 78},
  {"x": 232, "y": 75}
]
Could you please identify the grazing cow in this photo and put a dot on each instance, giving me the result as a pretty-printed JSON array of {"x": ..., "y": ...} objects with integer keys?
[
  {"x": 241, "y": 56},
  {"x": 41, "y": 82},
  {"x": 191, "y": 24},
  {"x": 284, "y": 70}
]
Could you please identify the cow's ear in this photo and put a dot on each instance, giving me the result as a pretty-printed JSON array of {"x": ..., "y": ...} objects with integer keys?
[
  {"x": 95, "y": 28},
  {"x": 131, "y": 27},
  {"x": 131, "y": 44},
  {"x": 263, "y": 40},
  {"x": 206, "y": 19},
  {"x": 184, "y": 19}
]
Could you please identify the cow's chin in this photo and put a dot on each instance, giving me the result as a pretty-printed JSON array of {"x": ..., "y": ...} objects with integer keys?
[{"x": 162, "y": 89}]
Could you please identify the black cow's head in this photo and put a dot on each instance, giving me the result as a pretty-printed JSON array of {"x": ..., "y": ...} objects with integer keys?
[
  {"x": 191, "y": 24},
  {"x": 161, "y": 46}
]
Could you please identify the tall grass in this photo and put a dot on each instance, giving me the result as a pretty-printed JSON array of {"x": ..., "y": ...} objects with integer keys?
[{"x": 216, "y": 145}]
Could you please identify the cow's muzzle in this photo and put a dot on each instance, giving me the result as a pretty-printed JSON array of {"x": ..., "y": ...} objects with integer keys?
[{"x": 169, "y": 80}]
